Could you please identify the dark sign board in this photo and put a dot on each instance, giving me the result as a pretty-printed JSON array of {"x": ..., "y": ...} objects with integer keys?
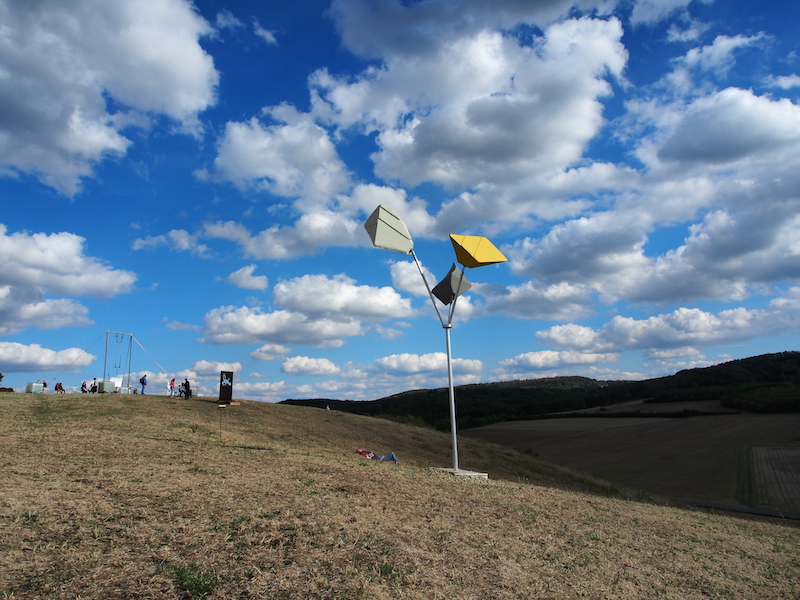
[{"x": 225, "y": 387}]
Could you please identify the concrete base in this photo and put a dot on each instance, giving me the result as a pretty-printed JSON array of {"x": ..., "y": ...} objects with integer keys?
[{"x": 463, "y": 473}]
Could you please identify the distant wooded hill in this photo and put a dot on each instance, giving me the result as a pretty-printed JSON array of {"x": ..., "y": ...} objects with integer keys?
[{"x": 768, "y": 383}]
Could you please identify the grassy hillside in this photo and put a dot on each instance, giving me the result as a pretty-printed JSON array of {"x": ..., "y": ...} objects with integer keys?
[{"x": 106, "y": 496}]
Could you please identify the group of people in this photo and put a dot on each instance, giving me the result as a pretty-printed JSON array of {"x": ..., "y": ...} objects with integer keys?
[
  {"x": 59, "y": 389},
  {"x": 85, "y": 389},
  {"x": 93, "y": 388},
  {"x": 184, "y": 389}
]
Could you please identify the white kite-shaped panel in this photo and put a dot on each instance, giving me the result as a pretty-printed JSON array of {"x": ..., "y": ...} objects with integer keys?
[{"x": 387, "y": 230}]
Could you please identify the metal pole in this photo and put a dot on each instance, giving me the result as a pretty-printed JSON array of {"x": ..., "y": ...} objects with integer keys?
[
  {"x": 428, "y": 287},
  {"x": 452, "y": 396},
  {"x": 451, "y": 390},
  {"x": 447, "y": 326},
  {"x": 105, "y": 358},
  {"x": 130, "y": 357}
]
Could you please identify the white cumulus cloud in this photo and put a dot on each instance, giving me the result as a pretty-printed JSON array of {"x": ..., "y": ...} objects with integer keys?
[
  {"x": 244, "y": 325},
  {"x": 407, "y": 364},
  {"x": 245, "y": 279},
  {"x": 36, "y": 266},
  {"x": 271, "y": 352},
  {"x": 60, "y": 58},
  {"x": 291, "y": 157},
  {"x": 315, "y": 295},
  {"x": 207, "y": 368},
  {"x": 305, "y": 365},
  {"x": 16, "y": 357}
]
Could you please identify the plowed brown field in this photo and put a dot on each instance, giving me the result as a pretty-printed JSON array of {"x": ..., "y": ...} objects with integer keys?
[
  {"x": 776, "y": 474},
  {"x": 705, "y": 458}
]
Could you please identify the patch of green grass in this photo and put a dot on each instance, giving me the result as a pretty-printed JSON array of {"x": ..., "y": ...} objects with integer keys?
[
  {"x": 191, "y": 578},
  {"x": 28, "y": 517},
  {"x": 234, "y": 526},
  {"x": 529, "y": 514},
  {"x": 45, "y": 411},
  {"x": 388, "y": 570},
  {"x": 593, "y": 536},
  {"x": 38, "y": 583},
  {"x": 35, "y": 583}
]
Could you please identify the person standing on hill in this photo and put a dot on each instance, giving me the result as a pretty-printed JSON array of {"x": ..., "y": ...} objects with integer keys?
[
  {"x": 143, "y": 381},
  {"x": 187, "y": 389},
  {"x": 171, "y": 386}
]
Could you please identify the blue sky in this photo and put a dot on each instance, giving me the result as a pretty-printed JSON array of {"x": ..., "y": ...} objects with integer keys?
[{"x": 198, "y": 175}]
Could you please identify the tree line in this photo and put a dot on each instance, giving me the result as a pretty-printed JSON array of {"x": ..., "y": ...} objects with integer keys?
[{"x": 766, "y": 383}]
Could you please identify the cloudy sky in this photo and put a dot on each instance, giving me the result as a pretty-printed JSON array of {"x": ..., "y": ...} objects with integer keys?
[{"x": 198, "y": 175}]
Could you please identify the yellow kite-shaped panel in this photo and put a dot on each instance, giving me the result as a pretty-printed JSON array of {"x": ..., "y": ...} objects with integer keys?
[
  {"x": 387, "y": 230},
  {"x": 475, "y": 251}
]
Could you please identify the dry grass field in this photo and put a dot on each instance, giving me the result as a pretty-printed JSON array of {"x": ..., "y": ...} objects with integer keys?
[
  {"x": 112, "y": 497},
  {"x": 709, "y": 458}
]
